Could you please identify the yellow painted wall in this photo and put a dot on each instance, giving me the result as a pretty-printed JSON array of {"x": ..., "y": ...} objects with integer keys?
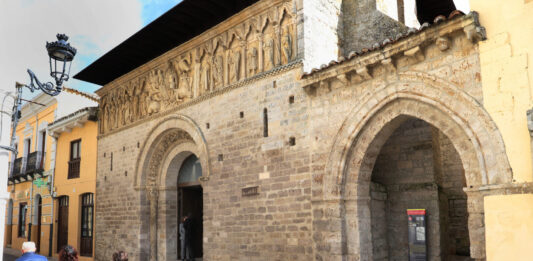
[
  {"x": 506, "y": 76},
  {"x": 74, "y": 188},
  {"x": 26, "y": 191},
  {"x": 509, "y": 227}
]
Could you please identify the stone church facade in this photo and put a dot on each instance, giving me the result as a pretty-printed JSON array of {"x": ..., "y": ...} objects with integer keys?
[{"x": 300, "y": 163}]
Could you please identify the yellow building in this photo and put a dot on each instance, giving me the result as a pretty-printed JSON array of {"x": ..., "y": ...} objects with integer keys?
[
  {"x": 29, "y": 210},
  {"x": 75, "y": 180},
  {"x": 508, "y": 95}
]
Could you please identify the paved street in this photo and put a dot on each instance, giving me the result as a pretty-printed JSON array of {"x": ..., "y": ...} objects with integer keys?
[{"x": 8, "y": 257}]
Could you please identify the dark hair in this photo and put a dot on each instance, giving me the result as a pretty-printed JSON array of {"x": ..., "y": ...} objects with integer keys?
[
  {"x": 68, "y": 253},
  {"x": 117, "y": 256}
]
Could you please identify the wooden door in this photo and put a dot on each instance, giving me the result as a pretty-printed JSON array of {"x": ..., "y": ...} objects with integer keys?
[
  {"x": 39, "y": 217},
  {"x": 86, "y": 242},
  {"x": 62, "y": 223}
]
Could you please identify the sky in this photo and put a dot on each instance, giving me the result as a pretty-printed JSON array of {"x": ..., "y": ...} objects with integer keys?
[{"x": 94, "y": 27}]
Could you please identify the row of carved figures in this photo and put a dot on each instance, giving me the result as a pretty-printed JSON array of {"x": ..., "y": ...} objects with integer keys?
[{"x": 194, "y": 74}]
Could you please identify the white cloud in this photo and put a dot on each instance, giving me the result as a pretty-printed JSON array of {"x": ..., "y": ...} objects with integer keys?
[{"x": 94, "y": 27}]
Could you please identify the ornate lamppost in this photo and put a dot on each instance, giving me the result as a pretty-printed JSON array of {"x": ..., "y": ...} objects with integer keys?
[{"x": 60, "y": 55}]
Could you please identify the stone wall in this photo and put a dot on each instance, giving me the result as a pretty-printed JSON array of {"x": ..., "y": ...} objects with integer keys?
[
  {"x": 276, "y": 223},
  {"x": 305, "y": 209}
]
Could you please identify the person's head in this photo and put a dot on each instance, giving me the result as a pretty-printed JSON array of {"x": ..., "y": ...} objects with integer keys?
[
  {"x": 120, "y": 256},
  {"x": 68, "y": 253},
  {"x": 28, "y": 247}
]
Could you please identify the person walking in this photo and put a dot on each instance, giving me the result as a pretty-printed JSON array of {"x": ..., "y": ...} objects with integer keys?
[
  {"x": 185, "y": 229},
  {"x": 28, "y": 253},
  {"x": 68, "y": 253}
]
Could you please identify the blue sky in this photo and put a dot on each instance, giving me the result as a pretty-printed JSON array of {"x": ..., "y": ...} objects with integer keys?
[{"x": 94, "y": 27}]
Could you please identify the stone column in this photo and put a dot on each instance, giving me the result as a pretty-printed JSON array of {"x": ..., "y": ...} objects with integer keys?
[
  {"x": 476, "y": 224},
  {"x": 277, "y": 46},
  {"x": 153, "y": 195}
]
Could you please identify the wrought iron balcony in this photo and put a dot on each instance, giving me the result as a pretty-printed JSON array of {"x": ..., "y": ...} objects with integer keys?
[
  {"x": 17, "y": 167},
  {"x": 25, "y": 168},
  {"x": 35, "y": 162}
]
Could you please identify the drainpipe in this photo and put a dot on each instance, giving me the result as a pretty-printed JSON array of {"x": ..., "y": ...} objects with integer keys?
[
  {"x": 53, "y": 167},
  {"x": 31, "y": 210}
]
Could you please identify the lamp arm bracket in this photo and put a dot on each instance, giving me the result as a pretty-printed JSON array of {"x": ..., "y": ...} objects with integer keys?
[{"x": 35, "y": 84}]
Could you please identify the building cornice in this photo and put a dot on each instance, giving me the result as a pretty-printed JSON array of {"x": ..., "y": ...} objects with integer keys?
[
  {"x": 357, "y": 67},
  {"x": 71, "y": 121}
]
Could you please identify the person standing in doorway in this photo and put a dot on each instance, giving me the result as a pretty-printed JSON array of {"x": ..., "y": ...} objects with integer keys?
[{"x": 185, "y": 229}]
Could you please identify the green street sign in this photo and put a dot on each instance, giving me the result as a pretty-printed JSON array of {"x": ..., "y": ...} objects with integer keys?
[{"x": 39, "y": 183}]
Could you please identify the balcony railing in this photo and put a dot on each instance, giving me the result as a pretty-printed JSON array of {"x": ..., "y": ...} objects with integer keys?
[
  {"x": 35, "y": 162},
  {"x": 17, "y": 167},
  {"x": 29, "y": 165}
]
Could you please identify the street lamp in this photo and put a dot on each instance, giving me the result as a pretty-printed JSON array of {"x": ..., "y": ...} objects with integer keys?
[{"x": 60, "y": 55}]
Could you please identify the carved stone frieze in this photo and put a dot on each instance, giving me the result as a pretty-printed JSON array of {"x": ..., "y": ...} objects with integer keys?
[{"x": 258, "y": 44}]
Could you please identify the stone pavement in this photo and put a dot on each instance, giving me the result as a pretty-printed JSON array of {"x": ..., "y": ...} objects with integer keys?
[{"x": 12, "y": 254}]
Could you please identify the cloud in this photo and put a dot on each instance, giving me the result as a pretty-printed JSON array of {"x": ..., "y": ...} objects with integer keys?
[{"x": 94, "y": 28}]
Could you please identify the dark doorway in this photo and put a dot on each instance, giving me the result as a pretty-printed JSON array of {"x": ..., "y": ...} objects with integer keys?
[
  {"x": 418, "y": 168},
  {"x": 9, "y": 231},
  {"x": 39, "y": 217},
  {"x": 62, "y": 223},
  {"x": 190, "y": 203}
]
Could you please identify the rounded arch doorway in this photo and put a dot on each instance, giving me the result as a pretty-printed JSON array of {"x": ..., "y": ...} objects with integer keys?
[{"x": 190, "y": 208}]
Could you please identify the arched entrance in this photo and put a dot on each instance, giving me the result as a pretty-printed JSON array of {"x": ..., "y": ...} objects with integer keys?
[
  {"x": 418, "y": 168},
  {"x": 357, "y": 179},
  {"x": 190, "y": 204},
  {"x": 171, "y": 173}
]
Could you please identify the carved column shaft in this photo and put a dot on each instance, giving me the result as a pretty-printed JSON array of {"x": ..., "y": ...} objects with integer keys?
[
  {"x": 153, "y": 195},
  {"x": 260, "y": 53},
  {"x": 277, "y": 46},
  {"x": 243, "y": 70}
]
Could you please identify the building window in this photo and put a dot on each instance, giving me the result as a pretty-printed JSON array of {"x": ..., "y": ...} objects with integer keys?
[
  {"x": 87, "y": 207},
  {"x": 75, "y": 158},
  {"x": 22, "y": 219}
]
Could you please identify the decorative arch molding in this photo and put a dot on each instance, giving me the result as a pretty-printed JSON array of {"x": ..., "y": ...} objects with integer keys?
[
  {"x": 167, "y": 134},
  {"x": 463, "y": 120}
]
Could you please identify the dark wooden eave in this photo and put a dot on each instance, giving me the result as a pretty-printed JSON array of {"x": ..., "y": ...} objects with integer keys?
[{"x": 183, "y": 22}]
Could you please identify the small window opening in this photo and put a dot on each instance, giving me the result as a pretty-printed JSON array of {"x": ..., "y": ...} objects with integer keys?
[
  {"x": 291, "y": 99},
  {"x": 265, "y": 122},
  {"x": 220, "y": 157},
  {"x": 292, "y": 141},
  {"x": 241, "y": 114}
]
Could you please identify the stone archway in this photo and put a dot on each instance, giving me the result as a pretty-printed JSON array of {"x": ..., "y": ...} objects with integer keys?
[
  {"x": 167, "y": 145},
  {"x": 344, "y": 188}
]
